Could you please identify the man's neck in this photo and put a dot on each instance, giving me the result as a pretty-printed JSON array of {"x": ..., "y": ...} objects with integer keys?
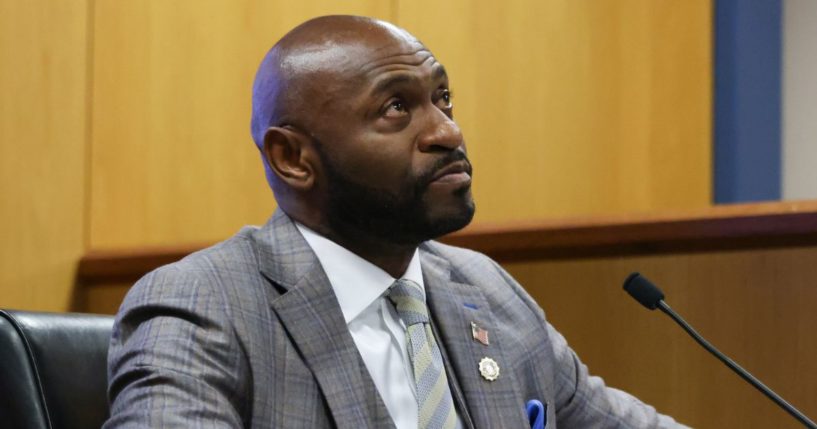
[{"x": 390, "y": 257}]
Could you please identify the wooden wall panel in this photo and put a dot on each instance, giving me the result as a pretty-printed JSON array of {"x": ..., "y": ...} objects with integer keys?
[
  {"x": 172, "y": 157},
  {"x": 756, "y": 306},
  {"x": 43, "y": 120},
  {"x": 577, "y": 107}
]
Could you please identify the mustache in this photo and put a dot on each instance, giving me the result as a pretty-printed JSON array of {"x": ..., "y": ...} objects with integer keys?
[{"x": 450, "y": 158}]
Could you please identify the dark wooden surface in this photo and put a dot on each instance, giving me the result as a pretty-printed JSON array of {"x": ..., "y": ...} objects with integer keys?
[{"x": 741, "y": 226}]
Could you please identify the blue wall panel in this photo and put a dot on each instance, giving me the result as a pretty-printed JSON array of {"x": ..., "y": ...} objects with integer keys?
[{"x": 747, "y": 100}]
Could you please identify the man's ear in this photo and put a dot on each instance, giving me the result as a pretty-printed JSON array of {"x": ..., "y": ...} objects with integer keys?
[{"x": 288, "y": 155}]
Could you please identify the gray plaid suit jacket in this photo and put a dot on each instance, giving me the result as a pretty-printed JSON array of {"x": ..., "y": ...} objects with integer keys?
[{"x": 248, "y": 333}]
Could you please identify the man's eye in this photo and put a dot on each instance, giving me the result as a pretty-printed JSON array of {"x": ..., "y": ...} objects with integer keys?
[
  {"x": 395, "y": 108},
  {"x": 444, "y": 100}
]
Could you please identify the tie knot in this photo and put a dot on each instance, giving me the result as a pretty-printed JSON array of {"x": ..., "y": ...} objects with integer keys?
[{"x": 409, "y": 301}]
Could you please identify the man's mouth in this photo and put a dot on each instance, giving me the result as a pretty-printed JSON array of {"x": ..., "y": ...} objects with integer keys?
[{"x": 455, "y": 172}]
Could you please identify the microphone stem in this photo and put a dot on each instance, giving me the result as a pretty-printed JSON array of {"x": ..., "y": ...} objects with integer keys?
[{"x": 737, "y": 368}]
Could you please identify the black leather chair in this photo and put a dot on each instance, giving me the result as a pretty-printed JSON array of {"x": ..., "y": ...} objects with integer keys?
[{"x": 52, "y": 370}]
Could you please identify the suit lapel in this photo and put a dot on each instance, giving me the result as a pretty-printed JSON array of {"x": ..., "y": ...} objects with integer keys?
[
  {"x": 454, "y": 305},
  {"x": 311, "y": 315}
]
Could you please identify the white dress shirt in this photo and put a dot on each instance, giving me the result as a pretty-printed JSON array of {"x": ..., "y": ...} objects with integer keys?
[{"x": 378, "y": 332}]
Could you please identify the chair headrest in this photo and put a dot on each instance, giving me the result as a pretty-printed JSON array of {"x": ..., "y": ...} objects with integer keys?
[{"x": 53, "y": 369}]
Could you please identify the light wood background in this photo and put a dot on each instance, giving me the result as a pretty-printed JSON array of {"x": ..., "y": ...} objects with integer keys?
[
  {"x": 172, "y": 158},
  {"x": 578, "y": 107},
  {"x": 126, "y": 123},
  {"x": 44, "y": 175}
]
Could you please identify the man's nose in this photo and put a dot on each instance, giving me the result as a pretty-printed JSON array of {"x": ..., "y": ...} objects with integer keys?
[{"x": 441, "y": 133}]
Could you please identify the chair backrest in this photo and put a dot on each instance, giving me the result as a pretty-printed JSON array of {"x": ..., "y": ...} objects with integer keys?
[{"x": 53, "y": 369}]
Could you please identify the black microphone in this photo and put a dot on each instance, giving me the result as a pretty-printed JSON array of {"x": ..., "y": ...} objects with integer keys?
[{"x": 648, "y": 294}]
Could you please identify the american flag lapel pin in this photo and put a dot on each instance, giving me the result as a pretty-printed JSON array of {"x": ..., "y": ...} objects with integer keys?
[{"x": 479, "y": 334}]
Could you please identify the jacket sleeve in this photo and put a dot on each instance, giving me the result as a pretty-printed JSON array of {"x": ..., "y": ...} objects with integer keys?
[
  {"x": 174, "y": 359},
  {"x": 583, "y": 400}
]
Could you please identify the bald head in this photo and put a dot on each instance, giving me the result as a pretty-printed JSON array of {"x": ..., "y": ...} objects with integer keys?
[
  {"x": 289, "y": 80},
  {"x": 354, "y": 121}
]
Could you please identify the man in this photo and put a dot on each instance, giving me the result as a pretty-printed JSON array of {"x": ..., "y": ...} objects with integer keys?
[{"x": 340, "y": 311}]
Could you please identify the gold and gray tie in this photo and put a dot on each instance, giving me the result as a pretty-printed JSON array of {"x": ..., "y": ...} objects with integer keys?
[{"x": 433, "y": 396}]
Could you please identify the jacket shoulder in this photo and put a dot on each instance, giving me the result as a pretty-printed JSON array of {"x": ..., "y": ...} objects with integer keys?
[
  {"x": 456, "y": 255},
  {"x": 213, "y": 271}
]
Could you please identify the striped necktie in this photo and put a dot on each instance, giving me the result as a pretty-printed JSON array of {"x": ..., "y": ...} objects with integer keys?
[{"x": 433, "y": 395}]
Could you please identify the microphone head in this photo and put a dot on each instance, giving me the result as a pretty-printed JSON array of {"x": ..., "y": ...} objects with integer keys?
[{"x": 643, "y": 290}]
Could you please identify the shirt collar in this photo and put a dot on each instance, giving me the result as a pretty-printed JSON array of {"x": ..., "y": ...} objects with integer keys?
[{"x": 357, "y": 283}]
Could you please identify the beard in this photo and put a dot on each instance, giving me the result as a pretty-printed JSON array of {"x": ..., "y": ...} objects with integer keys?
[{"x": 404, "y": 217}]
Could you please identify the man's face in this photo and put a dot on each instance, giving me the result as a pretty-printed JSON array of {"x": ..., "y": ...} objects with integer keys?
[{"x": 393, "y": 161}]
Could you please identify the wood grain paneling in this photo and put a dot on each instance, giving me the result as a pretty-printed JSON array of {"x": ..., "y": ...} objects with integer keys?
[
  {"x": 756, "y": 306},
  {"x": 727, "y": 227},
  {"x": 173, "y": 160},
  {"x": 43, "y": 120},
  {"x": 577, "y": 107}
]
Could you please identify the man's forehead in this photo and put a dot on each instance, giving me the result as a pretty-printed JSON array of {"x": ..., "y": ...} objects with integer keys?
[
  {"x": 349, "y": 58},
  {"x": 413, "y": 55},
  {"x": 414, "y": 69}
]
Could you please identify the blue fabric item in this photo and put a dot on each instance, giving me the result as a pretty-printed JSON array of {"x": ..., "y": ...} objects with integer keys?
[{"x": 537, "y": 413}]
